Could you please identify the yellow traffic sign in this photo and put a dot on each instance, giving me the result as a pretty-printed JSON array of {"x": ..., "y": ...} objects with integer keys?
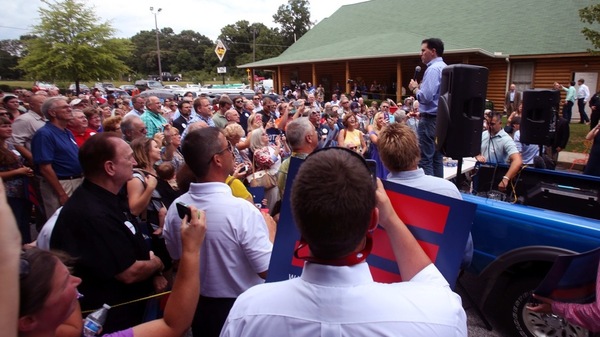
[{"x": 220, "y": 50}]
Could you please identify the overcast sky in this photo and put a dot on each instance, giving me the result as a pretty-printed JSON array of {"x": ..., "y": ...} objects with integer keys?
[{"x": 129, "y": 17}]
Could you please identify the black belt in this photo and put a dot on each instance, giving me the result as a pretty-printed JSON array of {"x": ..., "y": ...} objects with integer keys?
[
  {"x": 427, "y": 115},
  {"x": 77, "y": 176}
]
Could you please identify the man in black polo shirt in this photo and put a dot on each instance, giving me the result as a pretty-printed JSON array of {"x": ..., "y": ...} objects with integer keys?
[
  {"x": 238, "y": 105},
  {"x": 97, "y": 229}
]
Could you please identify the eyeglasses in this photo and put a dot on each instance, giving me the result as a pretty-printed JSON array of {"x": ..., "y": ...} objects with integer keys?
[
  {"x": 314, "y": 112},
  {"x": 384, "y": 106},
  {"x": 255, "y": 98},
  {"x": 228, "y": 148},
  {"x": 238, "y": 101}
]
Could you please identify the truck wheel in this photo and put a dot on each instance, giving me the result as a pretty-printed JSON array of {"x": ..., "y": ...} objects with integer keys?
[{"x": 526, "y": 323}]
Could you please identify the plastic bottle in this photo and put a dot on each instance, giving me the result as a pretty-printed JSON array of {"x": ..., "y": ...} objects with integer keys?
[{"x": 94, "y": 321}]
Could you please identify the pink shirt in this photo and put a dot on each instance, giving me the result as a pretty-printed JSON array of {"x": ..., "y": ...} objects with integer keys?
[{"x": 585, "y": 315}]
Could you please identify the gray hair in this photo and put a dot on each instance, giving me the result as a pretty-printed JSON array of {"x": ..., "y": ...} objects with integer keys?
[
  {"x": 49, "y": 104},
  {"x": 127, "y": 123},
  {"x": 297, "y": 130}
]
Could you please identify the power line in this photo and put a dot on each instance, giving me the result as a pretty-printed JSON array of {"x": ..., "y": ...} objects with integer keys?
[
  {"x": 260, "y": 44},
  {"x": 14, "y": 28}
]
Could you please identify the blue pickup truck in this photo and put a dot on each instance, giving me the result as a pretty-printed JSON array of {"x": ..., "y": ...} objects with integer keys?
[{"x": 546, "y": 214}]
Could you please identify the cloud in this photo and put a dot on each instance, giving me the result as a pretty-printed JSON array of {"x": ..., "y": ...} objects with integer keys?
[{"x": 130, "y": 17}]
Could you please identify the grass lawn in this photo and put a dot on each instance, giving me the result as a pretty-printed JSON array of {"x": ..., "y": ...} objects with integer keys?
[{"x": 577, "y": 136}]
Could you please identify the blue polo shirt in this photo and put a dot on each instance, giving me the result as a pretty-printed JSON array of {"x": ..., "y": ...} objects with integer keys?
[
  {"x": 429, "y": 92},
  {"x": 51, "y": 145}
]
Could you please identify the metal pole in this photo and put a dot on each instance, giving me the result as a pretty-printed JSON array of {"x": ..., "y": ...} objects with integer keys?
[
  {"x": 157, "y": 43},
  {"x": 253, "y": 55}
]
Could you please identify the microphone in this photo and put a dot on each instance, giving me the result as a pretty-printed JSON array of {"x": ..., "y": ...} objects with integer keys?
[{"x": 417, "y": 71}]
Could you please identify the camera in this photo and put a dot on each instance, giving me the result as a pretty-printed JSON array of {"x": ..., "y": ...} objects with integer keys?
[{"x": 350, "y": 80}]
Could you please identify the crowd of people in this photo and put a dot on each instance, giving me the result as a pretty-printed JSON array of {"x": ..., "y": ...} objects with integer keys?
[{"x": 104, "y": 177}]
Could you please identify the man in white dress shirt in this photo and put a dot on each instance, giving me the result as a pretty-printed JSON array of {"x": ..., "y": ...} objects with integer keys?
[
  {"x": 583, "y": 96},
  {"x": 336, "y": 294},
  {"x": 237, "y": 249}
]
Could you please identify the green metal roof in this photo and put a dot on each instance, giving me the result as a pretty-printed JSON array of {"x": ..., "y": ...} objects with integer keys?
[{"x": 380, "y": 28}]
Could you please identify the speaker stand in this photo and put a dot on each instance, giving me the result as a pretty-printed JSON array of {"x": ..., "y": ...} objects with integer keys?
[{"x": 459, "y": 172}]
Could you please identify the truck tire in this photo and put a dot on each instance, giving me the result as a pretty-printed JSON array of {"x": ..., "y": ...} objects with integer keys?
[{"x": 525, "y": 323}]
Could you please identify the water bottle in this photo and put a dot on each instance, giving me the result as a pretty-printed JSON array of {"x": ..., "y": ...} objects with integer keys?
[{"x": 94, "y": 321}]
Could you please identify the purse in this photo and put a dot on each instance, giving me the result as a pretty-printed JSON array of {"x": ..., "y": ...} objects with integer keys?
[{"x": 261, "y": 178}]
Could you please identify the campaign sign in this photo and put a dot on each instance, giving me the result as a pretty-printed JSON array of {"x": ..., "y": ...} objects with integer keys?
[
  {"x": 440, "y": 224},
  {"x": 572, "y": 278}
]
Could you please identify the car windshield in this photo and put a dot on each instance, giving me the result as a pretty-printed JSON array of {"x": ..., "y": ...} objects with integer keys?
[{"x": 154, "y": 84}]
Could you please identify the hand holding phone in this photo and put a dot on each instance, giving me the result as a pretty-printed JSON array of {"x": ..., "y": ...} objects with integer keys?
[
  {"x": 183, "y": 210},
  {"x": 372, "y": 165}
]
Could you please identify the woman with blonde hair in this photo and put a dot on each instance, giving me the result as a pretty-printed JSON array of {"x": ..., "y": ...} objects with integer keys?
[
  {"x": 351, "y": 137},
  {"x": 254, "y": 122},
  {"x": 112, "y": 124},
  {"x": 234, "y": 134},
  {"x": 266, "y": 157},
  {"x": 144, "y": 200},
  {"x": 373, "y": 130}
]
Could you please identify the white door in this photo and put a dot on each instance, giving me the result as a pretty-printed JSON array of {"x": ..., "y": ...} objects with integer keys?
[{"x": 591, "y": 79}]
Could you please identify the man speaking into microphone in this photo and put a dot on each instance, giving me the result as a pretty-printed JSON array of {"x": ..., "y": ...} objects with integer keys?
[{"x": 427, "y": 94}]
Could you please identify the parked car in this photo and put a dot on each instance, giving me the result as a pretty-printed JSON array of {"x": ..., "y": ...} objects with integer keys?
[
  {"x": 102, "y": 86},
  {"x": 127, "y": 87},
  {"x": 148, "y": 84},
  {"x": 549, "y": 213},
  {"x": 118, "y": 93},
  {"x": 83, "y": 89},
  {"x": 173, "y": 86},
  {"x": 216, "y": 91},
  {"x": 167, "y": 76},
  {"x": 45, "y": 86}
]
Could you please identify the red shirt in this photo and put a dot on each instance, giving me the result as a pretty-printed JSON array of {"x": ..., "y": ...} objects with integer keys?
[{"x": 80, "y": 138}]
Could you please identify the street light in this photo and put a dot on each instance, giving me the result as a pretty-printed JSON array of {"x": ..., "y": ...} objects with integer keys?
[
  {"x": 157, "y": 43},
  {"x": 253, "y": 52}
]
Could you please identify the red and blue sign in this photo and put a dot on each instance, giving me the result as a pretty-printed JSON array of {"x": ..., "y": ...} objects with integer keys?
[{"x": 440, "y": 224}]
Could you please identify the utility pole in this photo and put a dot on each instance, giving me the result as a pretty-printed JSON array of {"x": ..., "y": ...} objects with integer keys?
[
  {"x": 253, "y": 54},
  {"x": 157, "y": 42}
]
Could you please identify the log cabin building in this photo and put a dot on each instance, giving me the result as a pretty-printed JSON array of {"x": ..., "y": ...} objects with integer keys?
[{"x": 531, "y": 43}]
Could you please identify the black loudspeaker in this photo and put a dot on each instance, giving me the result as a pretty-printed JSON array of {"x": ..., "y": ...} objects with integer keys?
[
  {"x": 539, "y": 109},
  {"x": 460, "y": 110}
]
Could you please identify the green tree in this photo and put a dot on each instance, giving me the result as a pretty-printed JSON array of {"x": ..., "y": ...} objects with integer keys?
[
  {"x": 591, "y": 15},
  {"x": 71, "y": 45},
  {"x": 294, "y": 19},
  {"x": 247, "y": 43},
  {"x": 10, "y": 53},
  {"x": 178, "y": 52}
]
